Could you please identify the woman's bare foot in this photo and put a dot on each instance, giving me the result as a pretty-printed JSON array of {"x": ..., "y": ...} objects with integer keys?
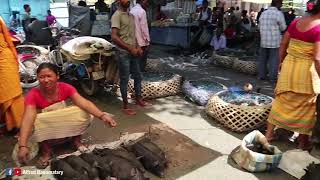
[
  {"x": 43, "y": 161},
  {"x": 79, "y": 145},
  {"x": 304, "y": 143}
]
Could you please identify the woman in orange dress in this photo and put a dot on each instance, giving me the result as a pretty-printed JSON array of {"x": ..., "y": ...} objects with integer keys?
[{"x": 11, "y": 97}]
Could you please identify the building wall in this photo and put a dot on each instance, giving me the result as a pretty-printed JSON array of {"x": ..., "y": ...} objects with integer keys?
[
  {"x": 38, "y": 8},
  {"x": 5, "y": 10}
]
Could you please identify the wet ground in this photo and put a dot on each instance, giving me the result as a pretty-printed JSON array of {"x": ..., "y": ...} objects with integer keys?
[{"x": 198, "y": 147}]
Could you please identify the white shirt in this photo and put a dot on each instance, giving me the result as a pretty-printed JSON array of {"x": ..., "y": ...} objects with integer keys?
[
  {"x": 271, "y": 23},
  {"x": 205, "y": 15},
  {"x": 220, "y": 43}
]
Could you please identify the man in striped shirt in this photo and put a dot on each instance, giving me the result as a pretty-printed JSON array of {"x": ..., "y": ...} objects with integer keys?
[{"x": 272, "y": 23}]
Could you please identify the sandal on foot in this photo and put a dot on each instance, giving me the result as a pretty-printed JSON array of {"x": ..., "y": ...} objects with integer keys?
[
  {"x": 129, "y": 112},
  {"x": 143, "y": 103},
  {"x": 42, "y": 164}
]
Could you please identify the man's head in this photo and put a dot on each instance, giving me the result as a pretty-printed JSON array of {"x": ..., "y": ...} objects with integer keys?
[
  {"x": 143, "y": 3},
  {"x": 205, "y": 4},
  {"x": 26, "y": 8},
  {"x": 237, "y": 8},
  {"x": 49, "y": 12},
  {"x": 276, "y": 3},
  {"x": 124, "y": 3},
  {"x": 313, "y": 7},
  {"x": 82, "y": 3},
  {"x": 231, "y": 9}
]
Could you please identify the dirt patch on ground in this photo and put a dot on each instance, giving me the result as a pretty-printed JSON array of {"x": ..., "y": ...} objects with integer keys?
[{"x": 184, "y": 155}]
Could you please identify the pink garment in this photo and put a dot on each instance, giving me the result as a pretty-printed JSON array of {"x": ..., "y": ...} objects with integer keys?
[
  {"x": 141, "y": 24},
  {"x": 50, "y": 19},
  {"x": 312, "y": 35},
  {"x": 35, "y": 98}
]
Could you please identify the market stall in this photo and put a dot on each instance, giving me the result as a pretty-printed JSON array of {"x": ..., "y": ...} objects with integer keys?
[
  {"x": 178, "y": 26},
  {"x": 174, "y": 34}
]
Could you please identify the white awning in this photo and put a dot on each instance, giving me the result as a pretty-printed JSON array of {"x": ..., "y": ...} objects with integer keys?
[{"x": 258, "y": 1}]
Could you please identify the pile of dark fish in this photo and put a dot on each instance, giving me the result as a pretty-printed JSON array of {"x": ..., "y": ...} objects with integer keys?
[
  {"x": 125, "y": 163},
  {"x": 245, "y": 98},
  {"x": 258, "y": 147},
  {"x": 312, "y": 172},
  {"x": 201, "y": 91}
]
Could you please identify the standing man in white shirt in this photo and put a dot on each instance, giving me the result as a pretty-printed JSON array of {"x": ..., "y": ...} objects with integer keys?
[
  {"x": 141, "y": 30},
  {"x": 272, "y": 23}
]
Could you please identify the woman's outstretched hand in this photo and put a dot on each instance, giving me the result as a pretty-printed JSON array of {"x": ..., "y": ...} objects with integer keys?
[{"x": 109, "y": 119}]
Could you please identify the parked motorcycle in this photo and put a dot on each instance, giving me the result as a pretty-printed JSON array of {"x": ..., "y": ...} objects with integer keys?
[
  {"x": 91, "y": 61},
  {"x": 29, "y": 58}
]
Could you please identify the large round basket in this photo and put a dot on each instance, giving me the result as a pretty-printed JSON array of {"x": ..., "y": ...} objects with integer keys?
[
  {"x": 201, "y": 91},
  {"x": 248, "y": 67},
  {"x": 223, "y": 61},
  {"x": 239, "y": 115},
  {"x": 155, "y": 85},
  {"x": 154, "y": 65}
]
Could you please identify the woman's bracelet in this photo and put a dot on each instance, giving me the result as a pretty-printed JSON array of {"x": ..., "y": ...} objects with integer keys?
[
  {"x": 103, "y": 114},
  {"x": 23, "y": 146}
]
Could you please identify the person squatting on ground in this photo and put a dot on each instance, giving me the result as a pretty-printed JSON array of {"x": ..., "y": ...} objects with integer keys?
[
  {"x": 219, "y": 41},
  {"x": 141, "y": 30},
  {"x": 271, "y": 24},
  {"x": 51, "y": 93},
  {"x": 11, "y": 98},
  {"x": 293, "y": 108}
]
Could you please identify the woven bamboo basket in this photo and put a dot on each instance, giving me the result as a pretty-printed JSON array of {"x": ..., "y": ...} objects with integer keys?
[
  {"x": 248, "y": 67},
  {"x": 154, "y": 65},
  {"x": 201, "y": 91},
  {"x": 223, "y": 61},
  {"x": 155, "y": 89},
  {"x": 238, "y": 118}
]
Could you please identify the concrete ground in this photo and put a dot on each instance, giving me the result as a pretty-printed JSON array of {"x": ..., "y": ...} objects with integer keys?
[{"x": 187, "y": 119}]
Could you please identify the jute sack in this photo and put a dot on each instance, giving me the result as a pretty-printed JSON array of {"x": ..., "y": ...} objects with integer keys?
[{"x": 253, "y": 161}]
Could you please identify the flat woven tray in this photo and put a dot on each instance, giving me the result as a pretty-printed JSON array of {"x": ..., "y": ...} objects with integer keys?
[{"x": 239, "y": 118}]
